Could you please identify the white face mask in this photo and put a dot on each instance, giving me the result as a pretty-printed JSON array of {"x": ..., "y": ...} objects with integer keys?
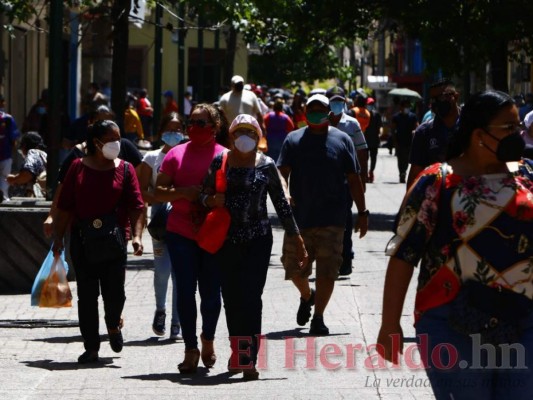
[
  {"x": 245, "y": 144},
  {"x": 110, "y": 150}
]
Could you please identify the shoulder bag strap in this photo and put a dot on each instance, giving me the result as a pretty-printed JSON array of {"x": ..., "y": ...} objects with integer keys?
[{"x": 220, "y": 177}]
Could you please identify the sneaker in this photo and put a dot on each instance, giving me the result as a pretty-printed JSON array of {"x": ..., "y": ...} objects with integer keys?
[
  {"x": 304, "y": 311},
  {"x": 116, "y": 341},
  {"x": 318, "y": 328},
  {"x": 402, "y": 178},
  {"x": 158, "y": 326},
  {"x": 175, "y": 332},
  {"x": 90, "y": 356},
  {"x": 370, "y": 177},
  {"x": 346, "y": 268}
]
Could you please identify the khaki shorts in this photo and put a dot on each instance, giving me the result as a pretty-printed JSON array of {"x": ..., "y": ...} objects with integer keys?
[{"x": 324, "y": 245}]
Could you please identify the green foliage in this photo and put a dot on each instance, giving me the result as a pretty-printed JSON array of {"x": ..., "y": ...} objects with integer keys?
[{"x": 458, "y": 36}]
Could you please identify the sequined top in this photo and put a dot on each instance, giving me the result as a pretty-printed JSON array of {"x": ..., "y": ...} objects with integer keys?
[{"x": 246, "y": 197}]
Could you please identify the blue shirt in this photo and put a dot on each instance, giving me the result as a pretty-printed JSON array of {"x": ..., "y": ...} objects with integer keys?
[
  {"x": 8, "y": 134},
  {"x": 319, "y": 164}
]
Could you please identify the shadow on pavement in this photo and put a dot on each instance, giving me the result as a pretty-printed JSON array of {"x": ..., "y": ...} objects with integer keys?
[
  {"x": 201, "y": 378},
  {"x": 381, "y": 222},
  {"x": 296, "y": 333},
  {"x": 151, "y": 341},
  {"x": 60, "y": 339},
  {"x": 140, "y": 263},
  {"x": 51, "y": 365}
]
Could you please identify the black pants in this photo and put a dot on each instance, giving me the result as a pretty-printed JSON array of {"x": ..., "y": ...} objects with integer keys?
[
  {"x": 244, "y": 271},
  {"x": 402, "y": 152},
  {"x": 90, "y": 279},
  {"x": 373, "y": 155},
  {"x": 347, "y": 243}
]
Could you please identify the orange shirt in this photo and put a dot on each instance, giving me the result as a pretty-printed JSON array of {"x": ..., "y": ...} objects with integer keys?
[{"x": 363, "y": 117}]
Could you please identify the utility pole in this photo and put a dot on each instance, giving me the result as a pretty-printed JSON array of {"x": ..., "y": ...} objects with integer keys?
[
  {"x": 181, "y": 56},
  {"x": 158, "y": 66},
  {"x": 55, "y": 86}
]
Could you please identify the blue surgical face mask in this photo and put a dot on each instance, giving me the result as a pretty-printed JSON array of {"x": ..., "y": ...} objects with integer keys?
[
  {"x": 172, "y": 138},
  {"x": 41, "y": 110},
  {"x": 337, "y": 107}
]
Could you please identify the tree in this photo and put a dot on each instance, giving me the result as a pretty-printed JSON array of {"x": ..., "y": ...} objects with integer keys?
[{"x": 461, "y": 36}]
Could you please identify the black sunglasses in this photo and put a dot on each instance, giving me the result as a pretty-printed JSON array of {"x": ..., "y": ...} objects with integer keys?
[{"x": 198, "y": 122}]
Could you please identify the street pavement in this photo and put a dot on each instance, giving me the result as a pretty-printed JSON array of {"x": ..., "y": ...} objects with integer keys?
[{"x": 39, "y": 347}]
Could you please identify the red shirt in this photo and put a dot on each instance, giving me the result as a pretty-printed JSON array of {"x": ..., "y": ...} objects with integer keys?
[
  {"x": 143, "y": 106},
  {"x": 89, "y": 193}
]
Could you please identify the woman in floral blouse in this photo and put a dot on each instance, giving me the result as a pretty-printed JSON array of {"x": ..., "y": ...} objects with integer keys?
[
  {"x": 474, "y": 227},
  {"x": 245, "y": 255}
]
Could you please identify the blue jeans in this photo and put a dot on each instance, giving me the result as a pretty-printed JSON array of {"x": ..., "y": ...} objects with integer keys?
[
  {"x": 194, "y": 266},
  {"x": 471, "y": 374},
  {"x": 244, "y": 271},
  {"x": 162, "y": 272}
]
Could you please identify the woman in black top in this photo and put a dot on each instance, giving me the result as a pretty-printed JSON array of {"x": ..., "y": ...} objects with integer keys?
[{"x": 245, "y": 255}]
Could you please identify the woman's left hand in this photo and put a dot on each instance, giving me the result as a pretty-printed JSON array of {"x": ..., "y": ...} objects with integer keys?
[
  {"x": 137, "y": 246},
  {"x": 301, "y": 253}
]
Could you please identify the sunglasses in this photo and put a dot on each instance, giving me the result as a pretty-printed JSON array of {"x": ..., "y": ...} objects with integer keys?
[
  {"x": 199, "y": 122},
  {"x": 511, "y": 128}
]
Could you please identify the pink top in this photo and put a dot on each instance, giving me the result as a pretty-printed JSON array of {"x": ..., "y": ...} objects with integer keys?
[{"x": 187, "y": 165}]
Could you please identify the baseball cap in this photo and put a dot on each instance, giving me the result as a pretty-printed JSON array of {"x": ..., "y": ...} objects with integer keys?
[
  {"x": 335, "y": 93},
  {"x": 320, "y": 98},
  {"x": 237, "y": 79},
  {"x": 245, "y": 121},
  {"x": 528, "y": 119},
  {"x": 168, "y": 93}
]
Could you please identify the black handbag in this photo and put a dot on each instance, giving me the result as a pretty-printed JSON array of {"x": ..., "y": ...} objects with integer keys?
[
  {"x": 103, "y": 239},
  {"x": 157, "y": 228},
  {"x": 495, "y": 314}
]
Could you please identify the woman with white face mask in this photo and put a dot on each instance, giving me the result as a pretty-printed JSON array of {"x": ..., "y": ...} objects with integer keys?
[
  {"x": 245, "y": 255},
  {"x": 171, "y": 134},
  {"x": 100, "y": 191}
]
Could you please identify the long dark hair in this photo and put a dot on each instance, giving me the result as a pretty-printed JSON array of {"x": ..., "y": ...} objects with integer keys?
[
  {"x": 477, "y": 112},
  {"x": 97, "y": 131}
]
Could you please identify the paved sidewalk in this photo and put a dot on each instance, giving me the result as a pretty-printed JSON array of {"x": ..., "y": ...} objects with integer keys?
[{"x": 39, "y": 347}]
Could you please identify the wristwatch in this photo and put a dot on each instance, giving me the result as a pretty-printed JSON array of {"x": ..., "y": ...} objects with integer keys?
[{"x": 364, "y": 212}]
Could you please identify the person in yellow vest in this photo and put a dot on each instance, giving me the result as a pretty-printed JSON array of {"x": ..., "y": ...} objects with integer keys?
[{"x": 133, "y": 129}]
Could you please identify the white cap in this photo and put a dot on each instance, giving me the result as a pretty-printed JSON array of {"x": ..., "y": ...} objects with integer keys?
[
  {"x": 528, "y": 119},
  {"x": 237, "y": 79},
  {"x": 318, "y": 97}
]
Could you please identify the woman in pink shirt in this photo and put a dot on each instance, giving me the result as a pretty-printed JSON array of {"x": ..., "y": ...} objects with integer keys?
[{"x": 179, "y": 182}]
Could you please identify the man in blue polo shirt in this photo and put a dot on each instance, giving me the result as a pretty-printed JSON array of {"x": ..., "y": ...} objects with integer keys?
[
  {"x": 431, "y": 139},
  {"x": 317, "y": 160}
]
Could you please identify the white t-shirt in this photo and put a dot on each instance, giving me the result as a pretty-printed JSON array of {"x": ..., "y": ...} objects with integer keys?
[
  {"x": 351, "y": 126},
  {"x": 234, "y": 104},
  {"x": 154, "y": 159}
]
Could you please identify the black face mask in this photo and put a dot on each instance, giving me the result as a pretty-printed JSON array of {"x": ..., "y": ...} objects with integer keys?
[
  {"x": 442, "y": 108},
  {"x": 510, "y": 148},
  {"x": 239, "y": 87}
]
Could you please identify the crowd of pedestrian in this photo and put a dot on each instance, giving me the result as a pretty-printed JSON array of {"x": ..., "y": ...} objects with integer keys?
[{"x": 314, "y": 155}]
